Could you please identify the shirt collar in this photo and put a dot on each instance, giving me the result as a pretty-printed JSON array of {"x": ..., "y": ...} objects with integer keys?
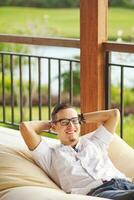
[{"x": 77, "y": 147}]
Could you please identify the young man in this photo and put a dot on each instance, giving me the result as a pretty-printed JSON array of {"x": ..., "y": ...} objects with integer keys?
[{"x": 79, "y": 164}]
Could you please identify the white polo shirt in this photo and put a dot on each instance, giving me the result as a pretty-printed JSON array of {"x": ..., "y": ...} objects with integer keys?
[{"x": 79, "y": 172}]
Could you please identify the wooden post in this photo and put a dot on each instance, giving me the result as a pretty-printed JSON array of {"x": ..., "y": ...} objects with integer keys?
[{"x": 93, "y": 32}]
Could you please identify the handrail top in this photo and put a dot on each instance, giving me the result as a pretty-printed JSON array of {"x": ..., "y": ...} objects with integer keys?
[
  {"x": 64, "y": 42},
  {"x": 119, "y": 47},
  {"x": 55, "y": 41},
  {"x": 37, "y": 56}
]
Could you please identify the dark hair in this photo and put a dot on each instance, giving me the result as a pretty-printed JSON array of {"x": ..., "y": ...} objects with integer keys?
[{"x": 59, "y": 107}]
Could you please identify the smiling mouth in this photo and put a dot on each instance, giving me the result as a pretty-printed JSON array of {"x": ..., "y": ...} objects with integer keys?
[{"x": 70, "y": 132}]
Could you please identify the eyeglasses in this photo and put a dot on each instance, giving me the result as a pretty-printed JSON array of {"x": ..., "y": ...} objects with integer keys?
[{"x": 65, "y": 122}]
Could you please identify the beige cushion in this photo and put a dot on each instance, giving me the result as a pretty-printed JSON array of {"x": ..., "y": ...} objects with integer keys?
[
  {"x": 21, "y": 178},
  {"x": 18, "y": 169},
  {"x": 122, "y": 156},
  {"x": 40, "y": 193}
]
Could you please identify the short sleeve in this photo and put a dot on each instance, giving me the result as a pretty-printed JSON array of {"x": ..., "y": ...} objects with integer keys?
[
  {"x": 42, "y": 155},
  {"x": 102, "y": 136}
]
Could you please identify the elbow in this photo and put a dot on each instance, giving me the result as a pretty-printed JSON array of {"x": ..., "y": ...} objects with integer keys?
[
  {"x": 22, "y": 126},
  {"x": 116, "y": 114}
]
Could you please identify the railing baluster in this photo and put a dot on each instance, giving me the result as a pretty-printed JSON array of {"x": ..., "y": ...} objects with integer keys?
[
  {"x": 3, "y": 88},
  {"x": 30, "y": 89},
  {"x": 122, "y": 101},
  {"x": 39, "y": 86},
  {"x": 21, "y": 95},
  {"x": 107, "y": 83},
  {"x": 12, "y": 88},
  {"x": 49, "y": 88},
  {"x": 71, "y": 84},
  {"x": 59, "y": 81}
]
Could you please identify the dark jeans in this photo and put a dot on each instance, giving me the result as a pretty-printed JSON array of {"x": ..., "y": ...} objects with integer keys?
[{"x": 118, "y": 189}]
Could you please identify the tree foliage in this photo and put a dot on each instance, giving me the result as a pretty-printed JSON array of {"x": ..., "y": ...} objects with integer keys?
[
  {"x": 42, "y": 3},
  {"x": 76, "y": 82},
  {"x": 61, "y": 3},
  {"x": 121, "y": 3}
]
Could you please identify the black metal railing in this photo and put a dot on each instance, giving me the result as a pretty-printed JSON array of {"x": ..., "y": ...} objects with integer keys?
[
  {"x": 108, "y": 98},
  {"x": 27, "y": 84},
  {"x": 22, "y": 91}
]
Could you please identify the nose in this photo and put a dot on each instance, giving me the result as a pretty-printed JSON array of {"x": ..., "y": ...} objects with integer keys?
[{"x": 71, "y": 124}]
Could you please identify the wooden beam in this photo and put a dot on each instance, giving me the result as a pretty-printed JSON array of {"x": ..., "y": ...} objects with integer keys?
[
  {"x": 66, "y": 42},
  {"x": 119, "y": 47},
  {"x": 93, "y": 32}
]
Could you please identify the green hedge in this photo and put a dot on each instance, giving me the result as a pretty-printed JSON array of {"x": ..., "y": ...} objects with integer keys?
[
  {"x": 42, "y": 3},
  {"x": 121, "y": 3},
  {"x": 61, "y": 3},
  {"x": 128, "y": 96}
]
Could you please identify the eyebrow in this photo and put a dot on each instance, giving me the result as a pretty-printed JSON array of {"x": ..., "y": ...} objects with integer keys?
[{"x": 66, "y": 118}]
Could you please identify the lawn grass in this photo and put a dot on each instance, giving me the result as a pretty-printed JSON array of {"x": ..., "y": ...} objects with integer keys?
[
  {"x": 128, "y": 121},
  {"x": 35, "y": 113},
  {"x": 60, "y": 22},
  {"x": 39, "y": 21},
  {"x": 128, "y": 130},
  {"x": 121, "y": 21}
]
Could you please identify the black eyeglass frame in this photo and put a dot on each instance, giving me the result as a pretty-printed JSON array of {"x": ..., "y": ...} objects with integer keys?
[{"x": 69, "y": 120}]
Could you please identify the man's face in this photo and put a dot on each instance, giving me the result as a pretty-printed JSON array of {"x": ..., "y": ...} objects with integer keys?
[{"x": 67, "y": 133}]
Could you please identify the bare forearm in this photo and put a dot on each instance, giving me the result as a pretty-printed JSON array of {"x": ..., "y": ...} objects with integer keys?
[
  {"x": 30, "y": 130},
  {"x": 100, "y": 116},
  {"x": 109, "y": 118},
  {"x": 37, "y": 126}
]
